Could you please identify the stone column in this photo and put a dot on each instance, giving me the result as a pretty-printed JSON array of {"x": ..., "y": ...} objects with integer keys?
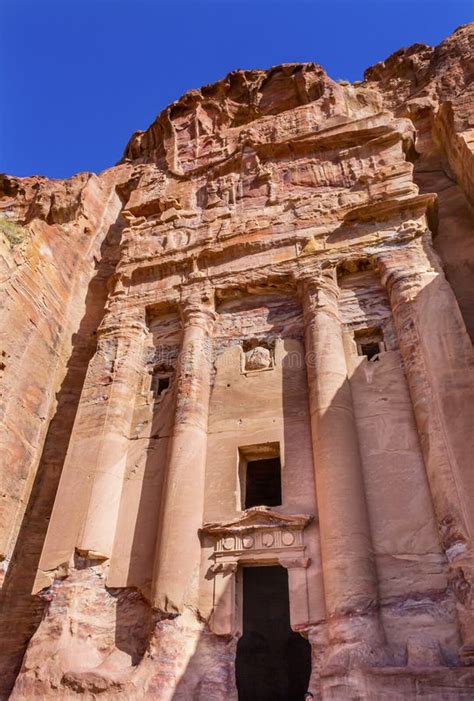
[
  {"x": 439, "y": 366},
  {"x": 178, "y": 550},
  {"x": 350, "y": 582},
  {"x": 85, "y": 511},
  {"x": 126, "y": 336}
]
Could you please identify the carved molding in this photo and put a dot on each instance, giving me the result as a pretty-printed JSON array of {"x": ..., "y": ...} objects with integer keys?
[
  {"x": 256, "y": 537},
  {"x": 259, "y": 534}
]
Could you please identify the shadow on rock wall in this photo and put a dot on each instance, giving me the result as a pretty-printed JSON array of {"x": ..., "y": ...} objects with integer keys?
[{"x": 20, "y": 612}]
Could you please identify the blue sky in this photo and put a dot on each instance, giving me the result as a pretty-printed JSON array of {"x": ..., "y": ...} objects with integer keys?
[{"x": 77, "y": 77}]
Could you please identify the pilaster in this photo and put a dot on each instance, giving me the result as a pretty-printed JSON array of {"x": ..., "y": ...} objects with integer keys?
[{"x": 439, "y": 366}]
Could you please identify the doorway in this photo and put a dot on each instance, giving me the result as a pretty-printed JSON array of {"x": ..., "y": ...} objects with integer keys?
[{"x": 273, "y": 662}]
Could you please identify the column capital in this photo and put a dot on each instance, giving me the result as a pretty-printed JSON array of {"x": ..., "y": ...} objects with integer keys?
[
  {"x": 317, "y": 287},
  {"x": 123, "y": 323},
  {"x": 314, "y": 275},
  {"x": 197, "y": 305},
  {"x": 404, "y": 270}
]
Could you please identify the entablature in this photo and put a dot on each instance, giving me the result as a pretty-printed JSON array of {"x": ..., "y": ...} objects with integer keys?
[{"x": 157, "y": 284}]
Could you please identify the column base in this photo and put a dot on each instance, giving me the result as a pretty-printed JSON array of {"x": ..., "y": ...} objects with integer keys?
[
  {"x": 356, "y": 640},
  {"x": 341, "y": 658}
]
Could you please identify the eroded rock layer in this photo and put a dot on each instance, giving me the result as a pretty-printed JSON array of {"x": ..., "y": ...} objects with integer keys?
[{"x": 247, "y": 345}]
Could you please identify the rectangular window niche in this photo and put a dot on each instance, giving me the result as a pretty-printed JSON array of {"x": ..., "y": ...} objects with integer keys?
[
  {"x": 260, "y": 475},
  {"x": 369, "y": 343}
]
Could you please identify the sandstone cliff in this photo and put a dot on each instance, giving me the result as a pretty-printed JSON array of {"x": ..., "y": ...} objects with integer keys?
[{"x": 132, "y": 300}]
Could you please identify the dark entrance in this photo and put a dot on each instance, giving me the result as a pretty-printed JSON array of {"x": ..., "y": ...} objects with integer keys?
[{"x": 273, "y": 663}]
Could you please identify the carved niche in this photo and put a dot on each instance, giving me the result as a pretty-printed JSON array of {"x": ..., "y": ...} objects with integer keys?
[
  {"x": 257, "y": 356},
  {"x": 259, "y": 536}
]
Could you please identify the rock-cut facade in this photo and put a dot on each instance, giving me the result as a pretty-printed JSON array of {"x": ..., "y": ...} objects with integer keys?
[{"x": 237, "y": 397}]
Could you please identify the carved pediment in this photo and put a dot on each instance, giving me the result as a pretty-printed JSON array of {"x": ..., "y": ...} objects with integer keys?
[
  {"x": 259, "y": 535},
  {"x": 256, "y": 518}
]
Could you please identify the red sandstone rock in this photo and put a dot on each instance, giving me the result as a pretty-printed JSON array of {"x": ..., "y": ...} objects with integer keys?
[{"x": 280, "y": 268}]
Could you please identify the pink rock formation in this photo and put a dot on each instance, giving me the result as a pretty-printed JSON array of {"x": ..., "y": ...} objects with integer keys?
[{"x": 247, "y": 346}]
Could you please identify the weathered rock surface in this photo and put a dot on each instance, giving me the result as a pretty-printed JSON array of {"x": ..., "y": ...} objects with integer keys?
[{"x": 280, "y": 269}]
